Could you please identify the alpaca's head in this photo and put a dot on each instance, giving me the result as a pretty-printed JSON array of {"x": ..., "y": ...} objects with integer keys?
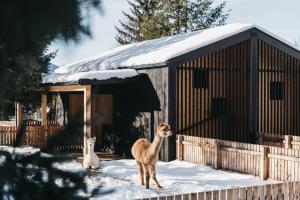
[
  {"x": 164, "y": 130},
  {"x": 91, "y": 143}
]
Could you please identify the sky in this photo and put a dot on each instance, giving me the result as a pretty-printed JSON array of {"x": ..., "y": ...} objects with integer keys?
[{"x": 278, "y": 16}]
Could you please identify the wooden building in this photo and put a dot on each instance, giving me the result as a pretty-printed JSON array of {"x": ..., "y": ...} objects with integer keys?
[{"x": 230, "y": 82}]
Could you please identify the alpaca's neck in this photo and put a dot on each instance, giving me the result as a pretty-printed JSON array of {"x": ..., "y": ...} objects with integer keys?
[
  {"x": 155, "y": 145},
  {"x": 90, "y": 151}
]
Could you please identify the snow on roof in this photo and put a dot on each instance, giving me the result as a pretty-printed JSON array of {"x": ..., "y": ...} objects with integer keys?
[
  {"x": 154, "y": 52},
  {"x": 148, "y": 53},
  {"x": 98, "y": 75}
]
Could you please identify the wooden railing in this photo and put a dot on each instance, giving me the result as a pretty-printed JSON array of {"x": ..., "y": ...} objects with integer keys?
[
  {"x": 288, "y": 190},
  {"x": 259, "y": 160},
  {"x": 27, "y": 123},
  {"x": 286, "y": 141},
  {"x": 270, "y": 139},
  {"x": 37, "y": 136}
]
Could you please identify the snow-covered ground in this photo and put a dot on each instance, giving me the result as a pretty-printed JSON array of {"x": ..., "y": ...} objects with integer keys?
[
  {"x": 24, "y": 150},
  {"x": 176, "y": 177}
]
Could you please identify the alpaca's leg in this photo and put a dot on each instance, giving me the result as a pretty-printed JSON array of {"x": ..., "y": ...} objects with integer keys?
[
  {"x": 141, "y": 172},
  {"x": 153, "y": 175},
  {"x": 147, "y": 175}
]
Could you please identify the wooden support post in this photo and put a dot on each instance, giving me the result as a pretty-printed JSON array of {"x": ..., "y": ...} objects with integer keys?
[
  {"x": 169, "y": 149},
  {"x": 151, "y": 126},
  {"x": 264, "y": 163},
  {"x": 288, "y": 141},
  {"x": 253, "y": 85},
  {"x": 44, "y": 109},
  {"x": 180, "y": 147},
  {"x": 93, "y": 115},
  {"x": 217, "y": 154},
  {"x": 19, "y": 115},
  {"x": 87, "y": 130}
]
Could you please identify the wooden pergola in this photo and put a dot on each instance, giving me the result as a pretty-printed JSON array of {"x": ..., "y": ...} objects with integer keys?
[{"x": 87, "y": 107}]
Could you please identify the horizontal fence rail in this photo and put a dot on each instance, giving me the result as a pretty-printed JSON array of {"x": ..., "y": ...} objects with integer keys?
[
  {"x": 27, "y": 123},
  {"x": 276, "y": 163},
  {"x": 279, "y": 191},
  {"x": 286, "y": 141}
]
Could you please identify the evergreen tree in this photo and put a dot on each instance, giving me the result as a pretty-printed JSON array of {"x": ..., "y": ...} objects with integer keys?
[
  {"x": 151, "y": 19},
  {"x": 27, "y": 29},
  {"x": 203, "y": 15},
  {"x": 132, "y": 30}
]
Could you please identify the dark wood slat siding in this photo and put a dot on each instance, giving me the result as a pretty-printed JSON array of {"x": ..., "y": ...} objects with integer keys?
[
  {"x": 160, "y": 80},
  {"x": 278, "y": 116},
  {"x": 228, "y": 85}
]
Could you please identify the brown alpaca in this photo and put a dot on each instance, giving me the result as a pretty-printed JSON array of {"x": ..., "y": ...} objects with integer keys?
[{"x": 146, "y": 154}]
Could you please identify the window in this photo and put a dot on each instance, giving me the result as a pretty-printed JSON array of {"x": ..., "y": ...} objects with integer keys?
[
  {"x": 218, "y": 107},
  {"x": 200, "y": 78},
  {"x": 276, "y": 90}
]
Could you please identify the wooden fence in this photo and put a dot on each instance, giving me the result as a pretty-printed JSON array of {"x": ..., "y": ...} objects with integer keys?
[
  {"x": 37, "y": 136},
  {"x": 270, "y": 139},
  {"x": 259, "y": 160},
  {"x": 27, "y": 123},
  {"x": 286, "y": 141},
  {"x": 278, "y": 191}
]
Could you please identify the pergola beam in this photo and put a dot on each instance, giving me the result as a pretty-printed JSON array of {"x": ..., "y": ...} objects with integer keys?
[
  {"x": 44, "y": 109},
  {"x": 87, "y": 103},
  {"x": 67, "y": 88},
  {"x": 87, "y": 93}
]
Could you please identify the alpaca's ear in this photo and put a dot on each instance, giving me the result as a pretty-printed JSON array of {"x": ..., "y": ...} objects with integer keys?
[{"x": 161, "y": 124}]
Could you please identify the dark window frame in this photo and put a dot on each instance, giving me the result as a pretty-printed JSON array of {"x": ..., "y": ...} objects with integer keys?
[
  {"x": 276, "y": 90},
  {"x": 200, "y": 78},
  {"x": 219, "y": 107}
]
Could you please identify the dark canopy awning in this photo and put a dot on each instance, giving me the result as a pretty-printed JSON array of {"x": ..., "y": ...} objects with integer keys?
[{"x": 135, "y": 94}]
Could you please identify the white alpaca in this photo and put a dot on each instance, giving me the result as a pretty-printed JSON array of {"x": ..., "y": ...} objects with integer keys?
[{"x": 91, "y": 160}]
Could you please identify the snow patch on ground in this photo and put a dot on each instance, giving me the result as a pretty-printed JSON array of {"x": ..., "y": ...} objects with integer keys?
[
  {"x": 176, "y": 177},
  {"x": 23, "y": 150}
]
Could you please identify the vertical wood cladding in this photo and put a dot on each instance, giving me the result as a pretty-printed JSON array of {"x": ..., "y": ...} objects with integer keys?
[
  {"x": 212, "y": 95},
  {"x": 278, "y": 91},
  {"x": 159, "y": 79}
]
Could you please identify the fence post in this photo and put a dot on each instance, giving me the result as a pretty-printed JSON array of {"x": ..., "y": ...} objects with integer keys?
[
  {"x": 288, "y": 142},
  {"x": 264, "y": 163},
  {"x": 217, "y": 154},
  {"x": 180, "y": 147},
  {"x": 19, "y": 115},
  {"x": 44, "y": 109}
]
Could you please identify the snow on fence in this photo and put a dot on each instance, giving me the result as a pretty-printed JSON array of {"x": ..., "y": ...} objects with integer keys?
[
  {"x": 271, "y": 139},
  {"x": 37, "y": 136},
  {"x": 286, "y": 141},
  {"x": 259, "y": 160},
  {"x": 7, "y": 123},
  {"x": 292, "y": 142},
  {"x": 288, "y": 190}
]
